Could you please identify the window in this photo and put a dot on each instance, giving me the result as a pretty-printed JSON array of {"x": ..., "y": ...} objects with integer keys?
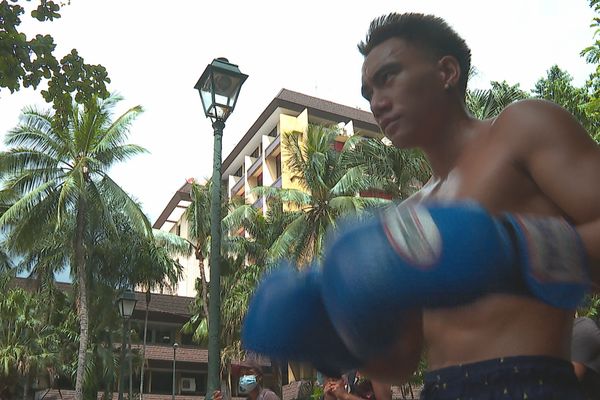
[
  {"x": 259, "y": 180},
  {"x": 186, "y": 339},
  {"x": 162, "y": 382},
  {"x": 163, "y": 335},
  {"x": 257, "y": 152},
  {"x": 239, "y": 171}
]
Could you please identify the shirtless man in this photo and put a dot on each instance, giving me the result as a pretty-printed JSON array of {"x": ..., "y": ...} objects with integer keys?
[{"x": 532, "y": 159}]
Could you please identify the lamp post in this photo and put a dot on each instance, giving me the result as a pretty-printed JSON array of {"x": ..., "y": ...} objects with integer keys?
[
  {"x": 126, "y": 305},
  {"x": 175, "y": 345},
  {"x": 219, "y": 87}
]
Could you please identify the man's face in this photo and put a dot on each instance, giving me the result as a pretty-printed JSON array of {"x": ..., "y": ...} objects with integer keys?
[{"x": 404, "y": 86}]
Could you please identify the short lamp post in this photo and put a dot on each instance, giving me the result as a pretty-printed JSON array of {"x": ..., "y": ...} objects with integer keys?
[
  {"x": 219, "y": 87},
  {"x": 126, "y": 305},
  {"x": 175, "y": 345}
]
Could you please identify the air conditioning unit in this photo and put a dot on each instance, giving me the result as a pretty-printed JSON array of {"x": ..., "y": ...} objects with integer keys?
[{"x": 188, "y": 384}]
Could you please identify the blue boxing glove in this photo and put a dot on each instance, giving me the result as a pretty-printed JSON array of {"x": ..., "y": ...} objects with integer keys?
[
  {"x": 286, "y": 320},
  {"x": 440, "y": 255}
]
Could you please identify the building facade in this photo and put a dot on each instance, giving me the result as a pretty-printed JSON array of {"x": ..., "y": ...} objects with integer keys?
[{"x": 259, "y": 159}]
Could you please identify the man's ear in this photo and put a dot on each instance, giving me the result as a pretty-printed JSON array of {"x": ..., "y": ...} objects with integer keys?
[{"x": 450, "y": 71}]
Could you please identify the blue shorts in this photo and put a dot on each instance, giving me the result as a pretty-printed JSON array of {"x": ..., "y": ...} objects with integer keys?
[{"x": 523, "y": 377}]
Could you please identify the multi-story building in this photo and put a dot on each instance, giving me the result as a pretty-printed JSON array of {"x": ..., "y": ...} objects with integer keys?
[{"x": 259, "y": 159}]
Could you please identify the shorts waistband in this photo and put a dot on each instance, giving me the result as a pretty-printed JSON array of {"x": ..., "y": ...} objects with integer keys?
[{"x": 480, "y": 369}]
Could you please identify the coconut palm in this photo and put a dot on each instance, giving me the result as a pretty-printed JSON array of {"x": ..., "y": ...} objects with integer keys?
[
  {"x": 254, "y": 247},
  {"x": 327, "y": 190},
  {"x": 260, "y": 229},
  {"x": 395, "y": 173},
  {"x": 487, "y": 103},
  {"x": 156, "y": 268},
  {"x": 198, "y": 218},
  {"x": 60, "y": 174}
]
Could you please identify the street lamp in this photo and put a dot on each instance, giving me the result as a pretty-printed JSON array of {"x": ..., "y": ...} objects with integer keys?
[
  {"x": 175, "y": 345},
  {"x": 126, "y": 305},
  {"x": 219, "y": 87}
]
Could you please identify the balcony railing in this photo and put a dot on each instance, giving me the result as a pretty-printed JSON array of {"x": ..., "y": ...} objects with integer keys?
[
  {"x": 254, "y": 167},
  {"x": 259, "y": 203},
  {"x": 238, "y": 185},
  {"x": 277, "y": 183},
  {"x": 274, "y": 144}
]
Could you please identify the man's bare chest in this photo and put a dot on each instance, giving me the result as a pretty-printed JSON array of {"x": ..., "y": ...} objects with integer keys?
[{"x": 494, "y": 180}]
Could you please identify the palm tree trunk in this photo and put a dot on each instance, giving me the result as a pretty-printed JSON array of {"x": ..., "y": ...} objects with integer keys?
[
  {"x": 83, "y": 304},
  {"x": 204, "y": 286},
  {"x": 26, "y": 387},
  {"x": 148, "y": 297}
]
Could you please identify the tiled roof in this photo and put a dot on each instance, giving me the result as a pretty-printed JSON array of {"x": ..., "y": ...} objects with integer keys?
[
  {"x": 189, "y": 354},
  {"x": 164, "y": 303}
]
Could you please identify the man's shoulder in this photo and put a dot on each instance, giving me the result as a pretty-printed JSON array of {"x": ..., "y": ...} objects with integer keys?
[
  {"x": 531, "y": 115},
  {"x": 534, "y": 122}
]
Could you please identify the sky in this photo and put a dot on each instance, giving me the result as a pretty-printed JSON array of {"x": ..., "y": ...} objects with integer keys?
[{"x": 156, "y": 51}]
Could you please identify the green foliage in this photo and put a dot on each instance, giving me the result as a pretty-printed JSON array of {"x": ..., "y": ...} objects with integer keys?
[
  {"x": 592, "y": 55},
  {"x": 389, "y": 170},
  {"x": 59, "y": 173},
  {"x": 329, "y": 187},
  {"x": 590, "y": 307},
  {"x": 32, "y": 340},
  {"x": 317, "y": 392},
  {"x": 487, "y": 103},
  {"x": 26, "y": 62},
  {"x": 557, "y": 87}
]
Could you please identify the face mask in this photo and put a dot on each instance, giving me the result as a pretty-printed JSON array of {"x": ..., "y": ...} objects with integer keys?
[{"x": 247, "y": 383}]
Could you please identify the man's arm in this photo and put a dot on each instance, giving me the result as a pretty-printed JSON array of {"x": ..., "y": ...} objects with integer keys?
[{"x": 562, "y": 160}]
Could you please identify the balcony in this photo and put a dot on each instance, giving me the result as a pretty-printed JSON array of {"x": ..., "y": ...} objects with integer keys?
[
  {"x": 274, "y": 145},
  {"x": 277, "y": 183},
  {"x": 259, "y": 203},
  {"x": 236, "y": 188},
  {"x": 255, "y": 166}
]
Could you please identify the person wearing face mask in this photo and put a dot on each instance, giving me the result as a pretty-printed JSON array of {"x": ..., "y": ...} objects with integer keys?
[{"x": 250, "y": 384}]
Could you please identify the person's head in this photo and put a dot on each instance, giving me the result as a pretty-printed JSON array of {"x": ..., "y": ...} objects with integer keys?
[
  {"x": 415, "y": 68},
  {"x": 334, "y": 379},
  {"x": 251, "y": 375},
  {"x": 430, "y": 33}
]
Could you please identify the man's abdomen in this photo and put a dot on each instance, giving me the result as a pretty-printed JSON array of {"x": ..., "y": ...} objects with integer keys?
[{"x": 498, "y": 325}]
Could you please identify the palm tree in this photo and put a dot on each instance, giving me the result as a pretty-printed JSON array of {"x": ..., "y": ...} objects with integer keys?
[
  {"x": 60, "y": 173},
  {"x": 487, "y": 103},
  {"x": 27, "y": 344},
  {"x": 198, "y": 218},
  {"x": 260, "y": 230},
  {"x": 155, "y": 269},
  {"x": 254, "y": 246},
  {"x": 328, "y": 189},
  {"x": 395, "y": 172}
]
